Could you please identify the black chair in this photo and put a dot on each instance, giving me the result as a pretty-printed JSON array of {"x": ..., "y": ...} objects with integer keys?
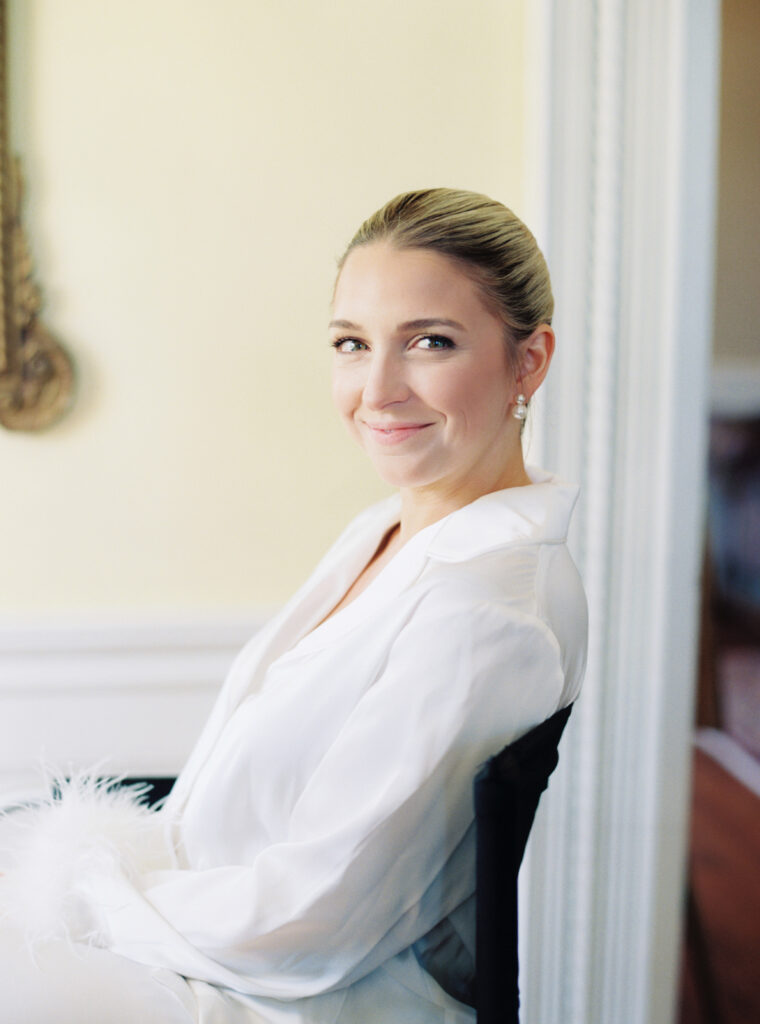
[
  {"x": 507, "y": 790},
  {"x": 157, "y": 787}
]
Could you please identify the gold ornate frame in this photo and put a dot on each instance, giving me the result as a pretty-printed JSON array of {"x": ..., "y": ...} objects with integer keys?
[{"x": 36, "y": 375}]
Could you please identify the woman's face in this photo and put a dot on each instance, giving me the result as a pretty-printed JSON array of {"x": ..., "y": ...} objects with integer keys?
[{"x": 421, "y": 375}]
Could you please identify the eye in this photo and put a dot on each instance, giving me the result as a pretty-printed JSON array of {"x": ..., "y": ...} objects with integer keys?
[
  {"x": 348, "y": 345},
  {"x": 434, "y": 341}
]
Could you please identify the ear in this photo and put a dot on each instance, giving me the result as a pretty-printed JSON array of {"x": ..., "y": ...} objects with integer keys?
[{"x": 535, "y": 356}]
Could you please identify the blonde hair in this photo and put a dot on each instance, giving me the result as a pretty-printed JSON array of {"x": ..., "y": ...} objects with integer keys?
[{"x": 490, "y": 243}]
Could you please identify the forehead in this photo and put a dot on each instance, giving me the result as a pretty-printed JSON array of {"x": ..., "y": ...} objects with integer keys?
[{"x": 380, "y": 279}]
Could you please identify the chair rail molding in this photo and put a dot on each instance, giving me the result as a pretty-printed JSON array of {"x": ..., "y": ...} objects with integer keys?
[{"x": 622, "y": 153}]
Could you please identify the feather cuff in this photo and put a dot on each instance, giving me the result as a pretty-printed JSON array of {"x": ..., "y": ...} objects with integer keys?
[{"x": 89, "y": 826}]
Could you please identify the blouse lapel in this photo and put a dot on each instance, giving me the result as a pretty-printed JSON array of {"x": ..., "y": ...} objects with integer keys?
[
  {"x": 531, "y": 514},
  {"x": 291, "y": 628}
]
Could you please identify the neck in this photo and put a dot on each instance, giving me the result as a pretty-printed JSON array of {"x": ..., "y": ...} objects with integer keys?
[{"x": 422, "y": 506}]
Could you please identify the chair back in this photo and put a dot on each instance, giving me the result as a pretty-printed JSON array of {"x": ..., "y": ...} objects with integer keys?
[{"x": 507, "y": 790}]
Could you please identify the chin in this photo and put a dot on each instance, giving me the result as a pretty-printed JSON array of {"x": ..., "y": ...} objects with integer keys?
[{"x": 403, "y": 477}]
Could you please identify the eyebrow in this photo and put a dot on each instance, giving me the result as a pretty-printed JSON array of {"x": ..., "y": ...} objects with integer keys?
[{"x": 408, "y": 325}]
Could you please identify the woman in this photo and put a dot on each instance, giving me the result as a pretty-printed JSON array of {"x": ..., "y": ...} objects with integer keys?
[{"x": 318, "y": 844}]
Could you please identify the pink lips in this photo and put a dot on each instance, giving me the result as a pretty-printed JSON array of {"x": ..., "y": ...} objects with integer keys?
[{"x": 395, "y": 433}]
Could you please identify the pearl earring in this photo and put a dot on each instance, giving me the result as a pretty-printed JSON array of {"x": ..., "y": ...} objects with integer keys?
[{"x": 520, "y": 410}]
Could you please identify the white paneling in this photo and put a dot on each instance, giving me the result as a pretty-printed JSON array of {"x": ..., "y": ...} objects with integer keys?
[{"x": 131, "y": 698}]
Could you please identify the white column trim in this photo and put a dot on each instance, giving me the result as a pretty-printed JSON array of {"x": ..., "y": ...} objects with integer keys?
[{"x": 631, "y": 92}]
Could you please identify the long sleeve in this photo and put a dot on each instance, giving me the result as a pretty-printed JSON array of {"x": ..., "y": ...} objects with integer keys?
[{"x": 361, "y": 872}]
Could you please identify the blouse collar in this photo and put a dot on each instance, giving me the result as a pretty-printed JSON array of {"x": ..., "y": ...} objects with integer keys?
[{"x": 537, "y": 513}]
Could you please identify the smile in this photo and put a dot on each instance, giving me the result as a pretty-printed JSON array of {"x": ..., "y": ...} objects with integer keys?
[{"x": 397, "y": 433}]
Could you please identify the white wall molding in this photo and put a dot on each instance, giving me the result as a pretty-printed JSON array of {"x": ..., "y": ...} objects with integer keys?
[
  {"x": 735, "y": 390},
  {"x": 631, "y": 93},
  {"x": 42, "y": 657},
  {"x": 131, "y": 697}
]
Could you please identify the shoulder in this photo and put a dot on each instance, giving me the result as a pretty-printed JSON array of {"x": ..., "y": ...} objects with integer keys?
[
  {"x": 523, "y": 602},
  {"x": 475, "y": 605},
  {"x": 467, "y": 646},
  {"x": 531, "y": 578}
]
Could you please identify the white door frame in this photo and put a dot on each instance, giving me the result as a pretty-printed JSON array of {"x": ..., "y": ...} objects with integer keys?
[{"x": 622, "y": 164}]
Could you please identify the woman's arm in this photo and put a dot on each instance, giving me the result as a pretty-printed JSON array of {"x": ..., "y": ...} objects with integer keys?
[{"x": 359, "y": 877}]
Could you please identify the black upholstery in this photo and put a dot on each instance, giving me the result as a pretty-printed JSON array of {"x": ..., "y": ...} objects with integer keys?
[
  {"x": 158, "y": 786},
  {"x": 507, "y": 790}
]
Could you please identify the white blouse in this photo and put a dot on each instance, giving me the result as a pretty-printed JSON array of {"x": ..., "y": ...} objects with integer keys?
[{"x": 322, "y": 824}]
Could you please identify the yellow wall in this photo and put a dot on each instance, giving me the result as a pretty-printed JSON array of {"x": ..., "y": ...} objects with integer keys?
[
  {"x": 737, "y": 276},
  {"x": 193, "y": 170}
]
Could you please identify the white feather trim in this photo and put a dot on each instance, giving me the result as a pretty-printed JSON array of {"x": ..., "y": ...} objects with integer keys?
[{"x": 89, "y": 826}]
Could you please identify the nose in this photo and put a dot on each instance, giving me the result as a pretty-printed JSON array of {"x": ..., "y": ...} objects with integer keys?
[{"x": 385, "y": 383}]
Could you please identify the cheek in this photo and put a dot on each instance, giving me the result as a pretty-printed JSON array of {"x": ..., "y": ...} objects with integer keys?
[{"x": 479, "y": 396}]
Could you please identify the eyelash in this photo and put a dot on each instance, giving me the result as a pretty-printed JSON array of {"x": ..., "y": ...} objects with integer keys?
[
  {"x": 447, "y": 342},
  {"x": 340, "y": 341}
]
